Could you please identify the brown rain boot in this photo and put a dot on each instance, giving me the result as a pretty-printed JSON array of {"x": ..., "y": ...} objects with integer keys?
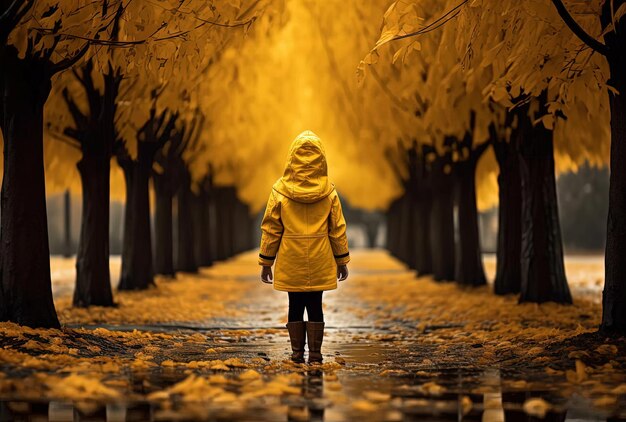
[
  {"x": 297, "y": 331},
  {"x": 315, "y": 334}
]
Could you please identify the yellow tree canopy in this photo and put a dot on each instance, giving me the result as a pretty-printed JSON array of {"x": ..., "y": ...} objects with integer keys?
[
  {"x": 161, "y": 47},
  {"x": 488, "y": 54}
]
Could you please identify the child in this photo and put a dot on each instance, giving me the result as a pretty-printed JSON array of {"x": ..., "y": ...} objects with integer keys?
[{"x": 304, "y": 225}]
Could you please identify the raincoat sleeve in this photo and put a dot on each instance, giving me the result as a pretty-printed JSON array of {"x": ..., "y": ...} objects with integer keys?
[
  {"x": 337, "y": 232},
  {"x": 272, "y": 231}
]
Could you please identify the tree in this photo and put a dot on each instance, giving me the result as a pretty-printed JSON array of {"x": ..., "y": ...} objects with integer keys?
[
  {"x": 509, "y": 249},
  {"x": 543, "y": 271},
  {"x": 469, "y": 261},
  {"x": 186, "y": 251},
  {"x": 94, "y": 134},
  {"x": 27, "y": 71},
  {"x": 442, "y": 216}
]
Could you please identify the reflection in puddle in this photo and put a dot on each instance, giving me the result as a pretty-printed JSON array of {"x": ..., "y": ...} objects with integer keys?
[{"x": 467, "y": 397}]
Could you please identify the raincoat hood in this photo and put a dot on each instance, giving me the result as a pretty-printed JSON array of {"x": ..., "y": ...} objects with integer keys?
[{"x": 306, "y": 174}]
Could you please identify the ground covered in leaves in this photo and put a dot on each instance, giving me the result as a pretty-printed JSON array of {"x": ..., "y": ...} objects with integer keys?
[{"x": 213, "y": 346}]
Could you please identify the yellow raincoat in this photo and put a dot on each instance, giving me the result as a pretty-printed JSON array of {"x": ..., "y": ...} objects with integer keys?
[{"x": 303, "y": 227}]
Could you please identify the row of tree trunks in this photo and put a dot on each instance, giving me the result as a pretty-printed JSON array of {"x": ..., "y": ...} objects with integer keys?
[
  {"x": 233, "y": 227},
  {"x": 530, "y": 253}
]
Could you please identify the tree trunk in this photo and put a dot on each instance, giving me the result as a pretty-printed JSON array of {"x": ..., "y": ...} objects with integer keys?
[
  {"x": 392, "y": 227},
  {"x": 229, "y": 226},
  {"x": 25, "y": 287},
  {"x": 127, "y": 239},
  {"x": 423, "y": 206},
  {"x": 203, "y": 232},
  {"x": 224, "y": 217},
  {"x": 137, "y": 257},
  {"x": 241, "y": 225},
  {"x": 509, "y": 249},
  {"x": 186, "y": 259},
  {"x": 93, "y": 280},
  {"x": 163, "y": 227},
  {"x": 614, "y": 294},
  {"x": 469, "y": 263},
  {"x": 405, "y": 230},
  {"x": 67, "y": 224},
  {"x": 543, "y": 271},
  {"x": 389, "y": 227},
  {"x": 442, "y": 223},
  {"x": 423, "y": 248},
  {"x": 371, "y": 232}
]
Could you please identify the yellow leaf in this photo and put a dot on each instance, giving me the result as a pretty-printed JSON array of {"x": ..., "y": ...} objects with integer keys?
[{"x": 537, "y": 407}]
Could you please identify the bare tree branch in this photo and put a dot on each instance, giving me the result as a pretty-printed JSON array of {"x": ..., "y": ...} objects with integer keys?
[
  {"x": 69, "y": 61},
  {"x": 578, "y": 30}
]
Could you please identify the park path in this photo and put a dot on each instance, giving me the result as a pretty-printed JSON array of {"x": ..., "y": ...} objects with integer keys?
[{"x": 396, "y": 348}]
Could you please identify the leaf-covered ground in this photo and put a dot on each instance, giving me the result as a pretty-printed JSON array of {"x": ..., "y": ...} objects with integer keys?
[{"x": 213, "y": 345}]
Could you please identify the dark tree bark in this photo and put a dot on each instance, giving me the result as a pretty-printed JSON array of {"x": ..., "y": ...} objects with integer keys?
[
  {"x": 202, "y": 216},
  {"x": 394, "y": 213},
  {"x": 469, "y": 262},
  {"x": 406, "y": 250},
  {"x": 186, "y": 258},
  {"x": 25, "y": 287},
  {"x": 509, "y": 250},
  {"x": 93, "y": 281},
  {"x": 163, "y": 226},
  {"x": 220, "y": 253},
  {"x": 67, "y": 224},
  {"x": 614, "y": 294},
  {"x": 543, "y": 271},
  {"x": 392, "y": 218},
  {"x": 423, "y": 208},
  {"x": 241, "y": 227},
  {"x": 166, "y": 182},
  {"x": 442, "y": 219},
  {"x": 126, "y": 164},
  {"x": 95, "y": 136},
  {"x": 229, "y": 221},
  {"x": 137, "y": 272}
]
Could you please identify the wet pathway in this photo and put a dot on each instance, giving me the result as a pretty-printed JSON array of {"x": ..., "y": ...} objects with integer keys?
[{"x": 386, "y": 358}]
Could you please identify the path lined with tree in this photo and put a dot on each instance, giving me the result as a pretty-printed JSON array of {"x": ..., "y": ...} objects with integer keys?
[{"x": 453, "y": 103}]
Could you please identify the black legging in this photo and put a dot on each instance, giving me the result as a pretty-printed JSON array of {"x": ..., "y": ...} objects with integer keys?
[{"x": 312, "y": 301}]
